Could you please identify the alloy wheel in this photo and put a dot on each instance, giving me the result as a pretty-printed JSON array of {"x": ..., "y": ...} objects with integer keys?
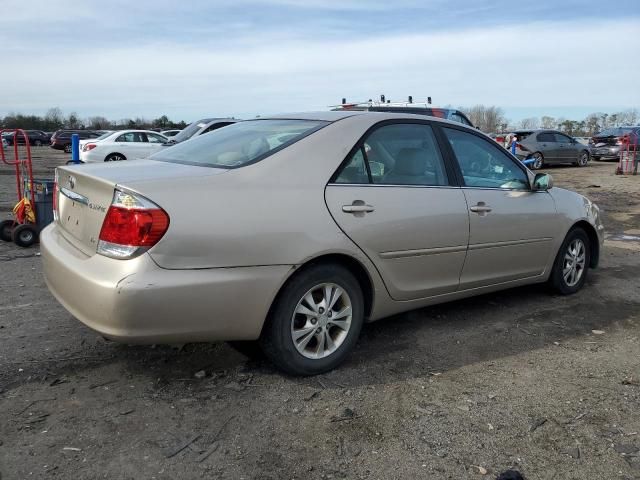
[
  {"x": 574, "y": 262},
  {"x": 583, "y": 159},
  {"x": 321, "y": 321},
  {"x": 537, "y": 163}
]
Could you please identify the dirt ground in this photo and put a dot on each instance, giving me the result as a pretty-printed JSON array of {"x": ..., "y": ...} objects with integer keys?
[{"x": 521, "y": 379}]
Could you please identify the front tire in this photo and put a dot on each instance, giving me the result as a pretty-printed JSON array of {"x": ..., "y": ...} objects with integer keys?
[
  {"x": 572, "y": 263},
  {"x": 538, "y": 161},
  {"x": 315, "y": 321},
  {"x": 583, "y": 159},
  {"x": 67, "y": 148}
]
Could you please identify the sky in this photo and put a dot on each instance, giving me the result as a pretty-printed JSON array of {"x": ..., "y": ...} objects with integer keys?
[{"x": 200, "y": 58}]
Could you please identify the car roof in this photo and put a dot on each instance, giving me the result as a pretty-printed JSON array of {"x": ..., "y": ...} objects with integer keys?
[
  {"x": 331, "y": 116},
  {"x": 334, "y": 116}
]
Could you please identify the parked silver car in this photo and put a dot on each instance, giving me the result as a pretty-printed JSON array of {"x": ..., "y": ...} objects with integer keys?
[
  {"x": 199, "y": 127},
  {"x": 295, "y": 230},
  {"x": 550, "y": 147}
]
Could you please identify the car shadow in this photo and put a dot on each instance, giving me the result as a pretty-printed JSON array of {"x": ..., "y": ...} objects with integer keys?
[
  {"x": 414, "y": 344},
  {"x": 417, "y": 343}
]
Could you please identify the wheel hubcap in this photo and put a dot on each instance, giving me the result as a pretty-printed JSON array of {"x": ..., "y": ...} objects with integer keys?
[
  {"x": 574, "y": 262},
  {"x": 321, "y": 321},
  {"x": 583, "y": 159},
  {"x": 538, "y": 161}
]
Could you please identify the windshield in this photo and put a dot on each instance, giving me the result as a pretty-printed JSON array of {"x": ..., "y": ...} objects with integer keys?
[
  {"x": 239, "y": 144},
  {"x": 615, "y": 132},
  {"x": 191, "y": 130}
]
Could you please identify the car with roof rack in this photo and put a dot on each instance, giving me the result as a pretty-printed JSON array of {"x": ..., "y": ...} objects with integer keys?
[{"x": 417, "y": 108}]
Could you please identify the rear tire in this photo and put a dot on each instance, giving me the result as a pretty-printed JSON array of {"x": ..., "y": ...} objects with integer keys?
[
  {"x": 315, "y": 321},
  {"x": 67, "y": 148},
  {"x": 25, "y": 235},
  {"x": 6, "y": 227},
  {"x": 38, "y": 143},
  {"x": 538, "y": 161},
  {"x": 572, "y": 263},
  {"x": 115, "y": 157}
]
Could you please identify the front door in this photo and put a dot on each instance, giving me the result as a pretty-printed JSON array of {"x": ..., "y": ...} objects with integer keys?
[
  {"x": 393, "y": 197},
  {"x": 512, "y": 228},
  {"x": 132, "y": 145},
  {"x": 566, "y": 148},
  {"x": 548, "y": 146}
]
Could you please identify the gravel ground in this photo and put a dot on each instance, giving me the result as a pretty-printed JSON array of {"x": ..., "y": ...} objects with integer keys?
[{"x": 520, "y": 379}]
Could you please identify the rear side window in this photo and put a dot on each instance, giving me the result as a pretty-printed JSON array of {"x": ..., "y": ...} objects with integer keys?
[
  {"x": 546, "y": 137},
  {"x": 131, "y": 137},
  {"x": 484, "y": 164},
  {"x": 397, "y": 154},
  {"x": 239, "y": 144}
]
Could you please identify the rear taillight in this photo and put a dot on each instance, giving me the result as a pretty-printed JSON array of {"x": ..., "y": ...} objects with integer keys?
[
  {"x": 132, "y": 225},
  {"x": 88, "y": 146},
  {"x": 522, "y": 147},
  {"x": 55, "y": 195},
  {"x": 620, "y": 141}
]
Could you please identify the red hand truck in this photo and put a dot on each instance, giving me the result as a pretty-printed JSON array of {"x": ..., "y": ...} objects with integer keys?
[{"x": 24, "y": 228}]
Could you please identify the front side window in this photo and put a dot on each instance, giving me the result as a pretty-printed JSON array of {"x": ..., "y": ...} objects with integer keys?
[
  {"x": 239, "y": 144},
  {"x": 155, "y": 138},
  {"x": 483, "y": 164},
  {"x": 562, "y": 138}
]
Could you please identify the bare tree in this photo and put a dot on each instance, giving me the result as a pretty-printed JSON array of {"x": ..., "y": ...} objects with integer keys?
[
  {"x": 548, "y": 122},
  {"x": 487, "y": 119},
  {"x": 54, "y": 118},
  {"x": 98, "y": 123},
  {"x": 530, "y": 123}
]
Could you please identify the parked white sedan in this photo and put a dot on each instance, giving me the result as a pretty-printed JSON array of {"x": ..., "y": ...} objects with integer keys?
[{"x": 122, "y": 145}]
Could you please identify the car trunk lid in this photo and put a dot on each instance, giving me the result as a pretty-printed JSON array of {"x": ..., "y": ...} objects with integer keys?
[{"x": 85, "y": 193}]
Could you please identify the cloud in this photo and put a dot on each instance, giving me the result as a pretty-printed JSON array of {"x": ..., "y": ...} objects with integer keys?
[{"x": 232, "y": 68}]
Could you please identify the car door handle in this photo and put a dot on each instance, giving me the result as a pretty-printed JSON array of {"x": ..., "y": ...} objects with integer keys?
[
  {"x": 481, "y": 208},
  {"x": 358, "y": 206}
]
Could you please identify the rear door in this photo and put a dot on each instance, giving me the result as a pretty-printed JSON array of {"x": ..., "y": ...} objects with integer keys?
[
  {"x": 396, "y": 199},
  {"x": 512, "y": 228}
]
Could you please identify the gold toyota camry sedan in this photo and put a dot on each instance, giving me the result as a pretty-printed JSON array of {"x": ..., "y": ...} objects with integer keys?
[{"x": 292, "y": 231}]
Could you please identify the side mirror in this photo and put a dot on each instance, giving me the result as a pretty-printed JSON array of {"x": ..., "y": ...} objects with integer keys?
[{"x": 542, "y": 181}]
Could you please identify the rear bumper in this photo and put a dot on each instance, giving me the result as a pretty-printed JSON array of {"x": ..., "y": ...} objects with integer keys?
[
  {"x": 135, "y": 301},
  {"x": 610, "y": 152}
]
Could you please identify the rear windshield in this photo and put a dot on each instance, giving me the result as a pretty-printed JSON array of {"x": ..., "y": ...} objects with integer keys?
[
  {"x": 239, "y": 144},
  {"x": 614, "y": 132},
  {"x": 522, "y": 135},
  {"x": 191, "y": 130}
]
